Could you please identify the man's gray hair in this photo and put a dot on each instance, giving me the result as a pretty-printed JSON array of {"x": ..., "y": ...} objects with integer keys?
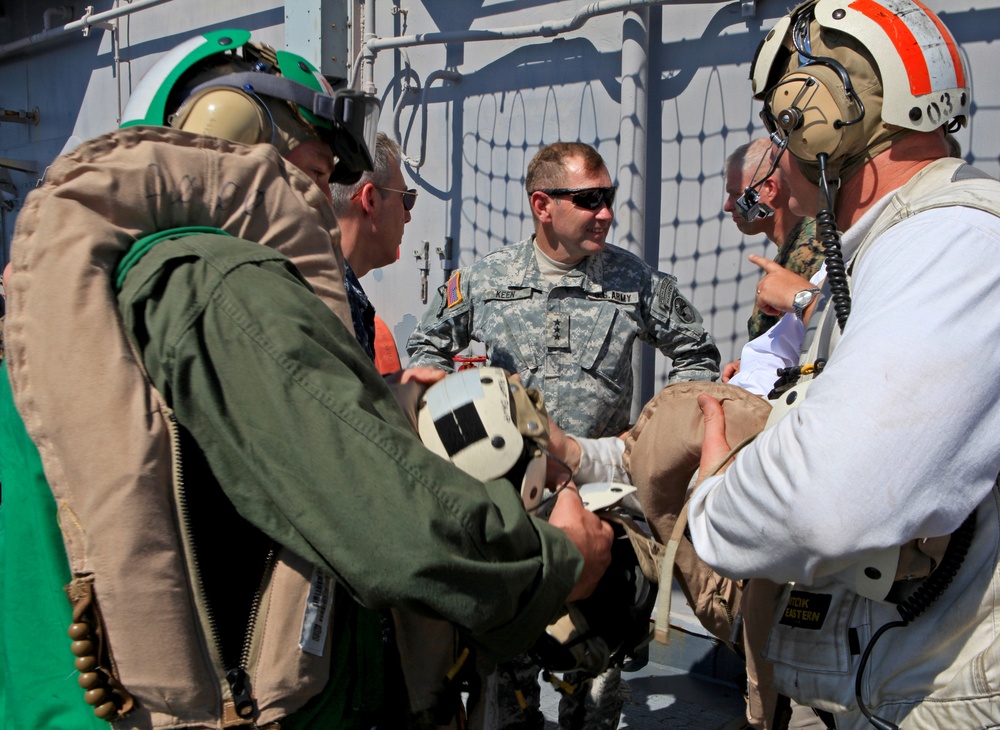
[
  {"x": 385, "y": 147},
  {"x": 749, "y": 158}
]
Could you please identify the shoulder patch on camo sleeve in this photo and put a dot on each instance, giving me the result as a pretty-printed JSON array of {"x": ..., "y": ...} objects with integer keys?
[
  {"x": 453, "y": 296},
  {"x": 683, "y": 310},
  {"x": 668, "y": 302}
]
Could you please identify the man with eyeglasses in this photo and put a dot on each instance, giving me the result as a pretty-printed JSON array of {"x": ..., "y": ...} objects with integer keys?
[
  {"x": 372, "y": 214},
  {"x": 563, "y": 310},
  {"x": 799, "y": 249}
]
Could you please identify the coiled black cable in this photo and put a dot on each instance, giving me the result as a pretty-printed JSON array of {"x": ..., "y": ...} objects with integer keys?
[
  {"x": 836, "y": 272},
  {"x": 914, "y": 605},
  {"x": 826, "y": 231},
  {"x": 933, "y": 586}
]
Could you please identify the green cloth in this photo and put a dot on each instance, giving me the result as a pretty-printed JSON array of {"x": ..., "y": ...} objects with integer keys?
[
  {"x": 38, "y": 686},
  {"x": 310, "y": 445},
  {"x": 142, "y": 246},
  {"x": 308, "y": 442}
]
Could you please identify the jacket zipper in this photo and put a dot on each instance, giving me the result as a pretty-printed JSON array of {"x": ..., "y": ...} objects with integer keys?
[{"x": 236, "y": 677}]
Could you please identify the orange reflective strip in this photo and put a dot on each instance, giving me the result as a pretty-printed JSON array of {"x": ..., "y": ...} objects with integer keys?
[
  {"x": 956, "y": 59},
  {"x": 902, "y": 38}
]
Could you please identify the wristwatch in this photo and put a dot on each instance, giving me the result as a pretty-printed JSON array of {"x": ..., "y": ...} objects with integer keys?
[{"x": 802, "y": 300}]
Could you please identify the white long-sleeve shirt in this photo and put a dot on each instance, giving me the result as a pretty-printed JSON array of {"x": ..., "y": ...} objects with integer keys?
[
  {"x": 777, "y": 347},
  {"x": 899, "y": 437}
]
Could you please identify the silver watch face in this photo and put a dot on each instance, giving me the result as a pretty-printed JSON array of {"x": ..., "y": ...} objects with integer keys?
[{"x": 801, "y": 300}]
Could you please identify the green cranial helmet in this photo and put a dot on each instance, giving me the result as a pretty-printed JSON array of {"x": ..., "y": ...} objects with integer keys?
[{"x": 222, "y": 84}]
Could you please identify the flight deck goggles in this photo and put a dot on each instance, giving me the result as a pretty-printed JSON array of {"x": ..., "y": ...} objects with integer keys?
[{"x": 589, "y": 198}]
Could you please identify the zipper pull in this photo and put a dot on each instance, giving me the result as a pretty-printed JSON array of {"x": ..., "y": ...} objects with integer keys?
[{"x": 242, "y": 699}]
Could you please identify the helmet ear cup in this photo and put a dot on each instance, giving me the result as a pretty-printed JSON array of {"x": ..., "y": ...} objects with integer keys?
[
  {"x": 811, "y": 106},
  {"x": 227, "y": 112}
]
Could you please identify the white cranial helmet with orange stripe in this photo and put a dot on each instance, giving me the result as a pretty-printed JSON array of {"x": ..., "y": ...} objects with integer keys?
[{"x": 844, "y": 78}]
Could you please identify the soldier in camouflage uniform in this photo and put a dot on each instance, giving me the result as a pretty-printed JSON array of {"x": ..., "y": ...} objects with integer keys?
[
  {"x": 564, "y": 315},
  {"x": 799, "y": 250},
  {"x": 563, "y": 310}
]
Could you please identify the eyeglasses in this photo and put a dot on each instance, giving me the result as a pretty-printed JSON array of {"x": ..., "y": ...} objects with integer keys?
[
  {"x": 589, "y": 198},
  {"x": 409, "y": 196}
]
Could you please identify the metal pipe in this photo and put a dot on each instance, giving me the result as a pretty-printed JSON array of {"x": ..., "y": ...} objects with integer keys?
[
  {"x": 65, "y": 12},
  {"x": 545, "y": 29},
  {"x": 633, "y": 122},
  {"x": 433, "y": 76},
  {"x": 372, "y": 45},
  {"x": 632, "y": 130},
  {"x": 367, "y": 52},
  {"x": 84, "y": 24},
  {"x": 116, "y": 41}
]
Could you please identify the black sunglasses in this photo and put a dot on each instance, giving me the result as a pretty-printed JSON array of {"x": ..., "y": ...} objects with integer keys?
[
  {"x": 589, "y": 198},
  {"x": 409, "y": 196}
]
